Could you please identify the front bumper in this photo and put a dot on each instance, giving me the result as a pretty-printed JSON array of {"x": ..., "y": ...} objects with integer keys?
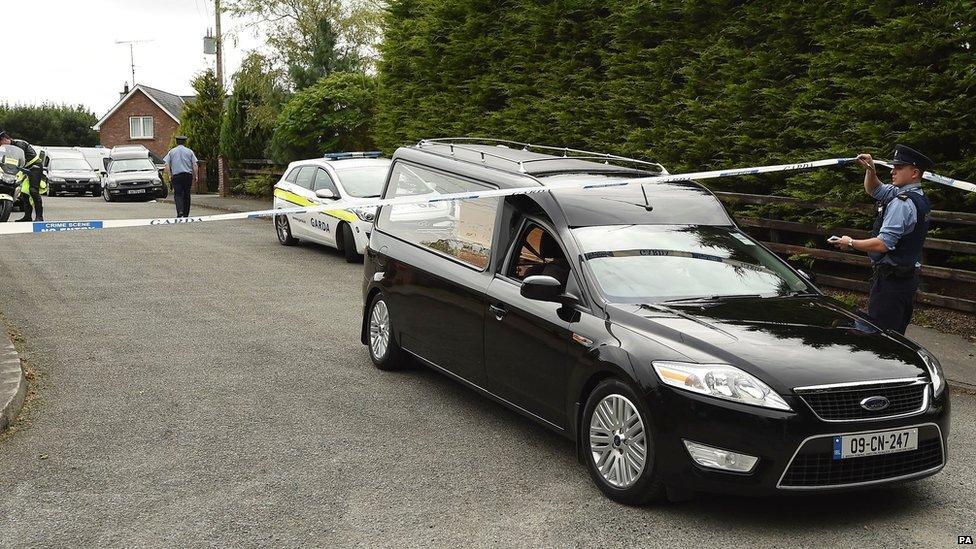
[
  {"x": 794, "y": 448},
  {"x": 135, "y": 192},
  {"x": 74, "y": 186}
]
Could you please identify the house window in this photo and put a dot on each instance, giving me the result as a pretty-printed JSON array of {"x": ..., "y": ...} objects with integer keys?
[{"x": 140, "y": 127}]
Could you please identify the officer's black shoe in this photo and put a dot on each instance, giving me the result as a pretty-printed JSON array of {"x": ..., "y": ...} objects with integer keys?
[
  {"x": 39, "y": 218},
  {"x": 22, "y": 219}
]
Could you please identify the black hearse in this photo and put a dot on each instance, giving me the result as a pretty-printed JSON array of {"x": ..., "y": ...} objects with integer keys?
[{"x": 639, "y": 321}]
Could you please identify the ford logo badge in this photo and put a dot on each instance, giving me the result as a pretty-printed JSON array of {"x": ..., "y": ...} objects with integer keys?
[{"x": 875, "y": 403}]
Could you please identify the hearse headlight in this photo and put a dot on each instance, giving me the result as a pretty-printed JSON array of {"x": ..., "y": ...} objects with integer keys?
[
  {"x": 56, "y": 179},
  {"x": 112, "y": 184},
  {"x": 720, "y": 381},
  {"x": 935, "y": 372}
]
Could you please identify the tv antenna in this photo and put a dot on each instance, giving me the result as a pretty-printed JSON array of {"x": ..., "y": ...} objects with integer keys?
[{"x": 132, "y": 58}]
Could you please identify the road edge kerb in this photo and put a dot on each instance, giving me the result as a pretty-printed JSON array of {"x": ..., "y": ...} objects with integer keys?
[
  {"x": 13, "y": 383},
  {"x": 218, "y": 207}
]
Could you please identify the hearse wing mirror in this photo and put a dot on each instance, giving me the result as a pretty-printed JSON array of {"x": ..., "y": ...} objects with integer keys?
[
  {"x": 542, "y": 288},
  {"x": 325, "y": 193}
]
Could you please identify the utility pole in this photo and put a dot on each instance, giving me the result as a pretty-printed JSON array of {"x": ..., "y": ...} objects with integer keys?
[
  {"x": 222, "y": 175},
  {"x": 132, "y": 55},
  {"x": 220, "y": 46}
]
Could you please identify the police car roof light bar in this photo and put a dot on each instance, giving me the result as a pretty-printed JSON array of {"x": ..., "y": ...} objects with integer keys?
[{"x": 357, "y": 154}]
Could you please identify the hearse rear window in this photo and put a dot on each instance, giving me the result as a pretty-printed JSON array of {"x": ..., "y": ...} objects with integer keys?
[{"x": 461, "y": 229}]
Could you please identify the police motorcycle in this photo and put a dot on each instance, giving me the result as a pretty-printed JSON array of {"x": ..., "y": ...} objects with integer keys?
[{"x": 12, "y": 175}]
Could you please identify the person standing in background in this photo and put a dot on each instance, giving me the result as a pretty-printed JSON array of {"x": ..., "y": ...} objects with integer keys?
[{"x": 181, "y": 165}]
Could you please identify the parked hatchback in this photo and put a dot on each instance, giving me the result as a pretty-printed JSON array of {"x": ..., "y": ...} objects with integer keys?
[
  {"x": 639, "y": 321},
  {"x": 348, "y": 176}
]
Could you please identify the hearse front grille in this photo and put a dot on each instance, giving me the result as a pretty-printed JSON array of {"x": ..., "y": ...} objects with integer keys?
[{"x": 843, "y": 403}]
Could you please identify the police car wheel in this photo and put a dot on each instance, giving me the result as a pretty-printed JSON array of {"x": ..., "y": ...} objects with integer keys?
[
  {"x": 618, "y": 446},
  {"x": 349, "y": 244},
  {"x": 283, "y": 230},
  {"x": 383, "y": 348},
  {"x": 5, "y": 208}
]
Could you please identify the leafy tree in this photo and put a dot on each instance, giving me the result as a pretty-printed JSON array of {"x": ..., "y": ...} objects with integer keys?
[
  {"x": 315, "y": 37},
  {"x": 323, "y": 59},
  {"x": 694, "y": 84},
  {"x": 201, "y": 121},
  {"x": 252, "y": 110},
  {"x": 334, "y": 114},
  {"x": 50, "y": 125}
]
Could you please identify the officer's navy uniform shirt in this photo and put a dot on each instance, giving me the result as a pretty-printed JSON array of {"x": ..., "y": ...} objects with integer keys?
[
  {"x": 180, "y": 160},
  {"x": 899, "y": 219}
]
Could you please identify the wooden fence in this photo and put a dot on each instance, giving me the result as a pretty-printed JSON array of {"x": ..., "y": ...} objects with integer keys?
[{"x": 941, "y": 286}]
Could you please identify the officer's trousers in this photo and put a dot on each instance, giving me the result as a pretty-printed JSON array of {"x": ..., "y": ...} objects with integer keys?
[
  {"x": 34, "y": 182},
  {"x": 892, "y": 300},
  {"x": 181, "y": 193}
]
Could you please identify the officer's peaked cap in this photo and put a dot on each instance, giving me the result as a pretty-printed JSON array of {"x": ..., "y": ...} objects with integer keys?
[{"x": 907, "y": 155}]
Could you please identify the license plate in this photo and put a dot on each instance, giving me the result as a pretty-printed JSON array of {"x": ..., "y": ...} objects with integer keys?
[
  {"x": 872, "y": 444},
  {"x": 136, "y": 191}
]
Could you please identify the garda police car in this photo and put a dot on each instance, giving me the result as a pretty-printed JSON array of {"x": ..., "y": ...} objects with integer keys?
[{"x": 347, "y": 176}]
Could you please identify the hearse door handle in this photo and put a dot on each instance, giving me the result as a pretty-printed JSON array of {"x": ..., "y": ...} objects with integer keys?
[{"x": 498, "y": 310}]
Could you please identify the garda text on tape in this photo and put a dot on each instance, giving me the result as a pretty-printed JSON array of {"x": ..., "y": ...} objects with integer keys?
[{"x": 338, "y": 208}]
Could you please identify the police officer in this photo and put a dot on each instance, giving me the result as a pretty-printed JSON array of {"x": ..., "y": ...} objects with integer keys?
[
  {"x": 899, "y": 231},
  {"x": 34, "y": 172},
  {"x": 181, "y": 165}
]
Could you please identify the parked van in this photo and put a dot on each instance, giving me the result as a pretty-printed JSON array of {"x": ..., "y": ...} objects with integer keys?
[{"x": 132, "y": 174}]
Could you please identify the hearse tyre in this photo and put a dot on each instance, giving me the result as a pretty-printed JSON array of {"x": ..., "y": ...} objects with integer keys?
[
  {"x": 383, "y": 348},
  {"x": 618, "y": 445}
]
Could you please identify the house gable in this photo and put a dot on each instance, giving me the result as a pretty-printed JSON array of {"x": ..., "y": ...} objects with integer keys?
[{"x": 114, "y": 128}]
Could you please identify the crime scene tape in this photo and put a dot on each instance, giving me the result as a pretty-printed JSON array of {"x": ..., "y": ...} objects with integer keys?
[
  {"x": 343, "y": 205},
  {"x": 936, "y": 178}
]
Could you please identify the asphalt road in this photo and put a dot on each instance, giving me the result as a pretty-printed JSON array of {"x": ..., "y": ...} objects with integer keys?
[{"x": 201, "y": 385}]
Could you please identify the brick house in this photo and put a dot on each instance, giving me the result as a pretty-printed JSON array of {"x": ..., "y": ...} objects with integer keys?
[{"x": 143, "y": 116}]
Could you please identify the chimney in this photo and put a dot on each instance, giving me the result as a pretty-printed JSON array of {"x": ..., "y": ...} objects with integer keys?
[{"x": 125, "y": 90}]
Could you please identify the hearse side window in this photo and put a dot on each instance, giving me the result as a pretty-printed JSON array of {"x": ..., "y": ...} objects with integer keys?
[
  {"x": 538, "y": 253},
  {"x": 461, "y": 229}
]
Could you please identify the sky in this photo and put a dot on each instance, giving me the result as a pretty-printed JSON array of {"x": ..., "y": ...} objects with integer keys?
[{"x": 78, "y": 62}]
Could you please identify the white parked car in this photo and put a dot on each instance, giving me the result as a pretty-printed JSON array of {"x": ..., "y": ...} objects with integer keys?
[{"x": 339, "y": 176}]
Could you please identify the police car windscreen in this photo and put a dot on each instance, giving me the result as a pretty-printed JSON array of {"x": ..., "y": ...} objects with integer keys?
[{"x": 365, "y": 181}]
